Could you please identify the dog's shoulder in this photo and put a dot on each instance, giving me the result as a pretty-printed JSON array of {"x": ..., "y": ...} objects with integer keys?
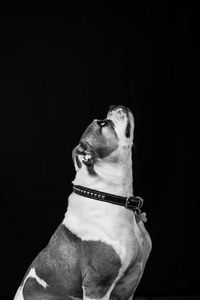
[
  {"x": 68, "y": 246},
  {"x": 96, "y": 252}
]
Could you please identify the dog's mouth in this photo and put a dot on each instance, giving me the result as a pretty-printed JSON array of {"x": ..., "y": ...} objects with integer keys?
[{"x": 85, "y": 145}]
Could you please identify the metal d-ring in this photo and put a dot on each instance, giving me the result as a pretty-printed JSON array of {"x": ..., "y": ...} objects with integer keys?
[{"x": 141, "y": 201}]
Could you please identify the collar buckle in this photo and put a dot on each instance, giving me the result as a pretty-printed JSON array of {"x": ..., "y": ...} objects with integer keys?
[
  {"x": 128, "y": 199},
  {"x": 140, "y": 201},
  {"x": 134, "y": 201}
]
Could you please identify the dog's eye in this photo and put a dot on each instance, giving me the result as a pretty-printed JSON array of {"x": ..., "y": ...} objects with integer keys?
[
  {"x": 128, "y": 130},
  {"x": 106, "y": 122}
]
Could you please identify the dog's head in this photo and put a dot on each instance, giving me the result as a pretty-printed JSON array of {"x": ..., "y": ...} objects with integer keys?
[{"x": 109, "y": 140}]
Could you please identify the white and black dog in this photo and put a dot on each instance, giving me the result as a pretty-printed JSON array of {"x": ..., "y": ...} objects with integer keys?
[{"x": 101, "y": 248}]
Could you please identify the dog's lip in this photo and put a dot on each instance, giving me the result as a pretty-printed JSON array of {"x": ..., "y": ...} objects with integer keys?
[{"x": 85, "y": 144}]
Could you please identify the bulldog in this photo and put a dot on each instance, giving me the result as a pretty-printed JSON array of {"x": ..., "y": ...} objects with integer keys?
[{"x": 100, "y": 249}]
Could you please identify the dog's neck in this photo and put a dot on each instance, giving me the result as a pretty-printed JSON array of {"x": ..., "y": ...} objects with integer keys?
[{"x": 108, "y": 178}]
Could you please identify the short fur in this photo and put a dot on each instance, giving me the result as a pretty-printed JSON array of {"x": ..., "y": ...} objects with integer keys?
[{"x": 99, "y": 251}]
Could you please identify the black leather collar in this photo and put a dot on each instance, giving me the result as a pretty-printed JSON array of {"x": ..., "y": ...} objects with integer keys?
[{"x": 133, "y": 203}]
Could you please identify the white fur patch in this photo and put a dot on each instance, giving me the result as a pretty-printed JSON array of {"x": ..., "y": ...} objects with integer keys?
[
  {"x": 105, "y": 222},
  {"x": 19, "y": 295},
  {"x": 31, "y": 274}
]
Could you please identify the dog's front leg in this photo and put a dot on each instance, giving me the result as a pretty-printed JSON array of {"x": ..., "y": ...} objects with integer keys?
[
  {"x": 96, "y": 288},
  {"x": 106, "y": 297}
]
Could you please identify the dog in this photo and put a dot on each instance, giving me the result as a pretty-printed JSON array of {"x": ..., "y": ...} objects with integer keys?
[{"x": 100, "y": 249}]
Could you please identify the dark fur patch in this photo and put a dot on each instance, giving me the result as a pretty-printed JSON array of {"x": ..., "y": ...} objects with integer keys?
[
  {"x": 67, "y": 263},
  {"x": 101, "y": 265},
  {"x": 78, "y": 162},
  {"x": 128, "y": 283},
  {"x": 90, "y": 168},
  {"x": 99, "y": 144},
  {"x": 103, "y": 152},
  {"x": 128, "y": 130}
]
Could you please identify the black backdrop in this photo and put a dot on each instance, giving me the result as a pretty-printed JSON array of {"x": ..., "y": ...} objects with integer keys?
[{"x": 60, "y": 69}]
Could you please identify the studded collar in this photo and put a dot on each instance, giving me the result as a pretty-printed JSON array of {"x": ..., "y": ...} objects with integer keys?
[{"x": 133, "y": 203}]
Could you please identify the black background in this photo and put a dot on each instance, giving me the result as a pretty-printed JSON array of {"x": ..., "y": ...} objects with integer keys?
[{"x": 62, "y": 68}]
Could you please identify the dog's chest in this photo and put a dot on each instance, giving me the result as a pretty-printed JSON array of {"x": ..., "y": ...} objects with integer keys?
[{"x": 109, "y": 224}]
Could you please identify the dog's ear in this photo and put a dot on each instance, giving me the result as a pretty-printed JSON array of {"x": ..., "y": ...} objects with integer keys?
[
  {"x": 76, "y": 160},
  {"x": 83, "y": 154}
]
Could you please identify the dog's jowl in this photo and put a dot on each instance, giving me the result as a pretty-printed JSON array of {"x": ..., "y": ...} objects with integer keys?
[{"x": 101, "y": 248}]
